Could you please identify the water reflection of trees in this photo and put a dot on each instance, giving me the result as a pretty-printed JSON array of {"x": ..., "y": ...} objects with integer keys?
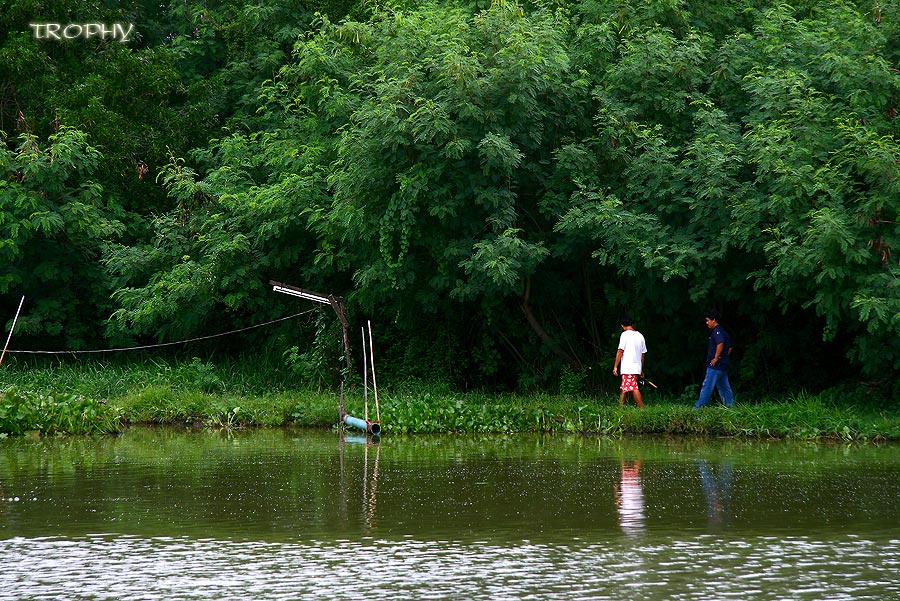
[{"x": 285, "y": 483}]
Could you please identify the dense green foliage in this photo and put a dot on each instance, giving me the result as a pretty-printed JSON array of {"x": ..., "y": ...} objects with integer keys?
[
  {"x": 53, "y": 222},
  {"x": 494, "y": 185}
]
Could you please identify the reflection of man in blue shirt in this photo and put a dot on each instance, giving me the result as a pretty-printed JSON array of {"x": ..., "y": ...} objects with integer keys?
[
  {"x": 717, "y": 362},
  {"x": 717, "y": 489}
]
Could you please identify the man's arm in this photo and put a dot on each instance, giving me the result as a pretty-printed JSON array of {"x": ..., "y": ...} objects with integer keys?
[
  {"x": 718, "y": 354},
  {"x": 616, "y": 363}
]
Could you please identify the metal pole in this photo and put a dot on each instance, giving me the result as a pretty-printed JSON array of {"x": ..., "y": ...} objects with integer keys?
[{"x": 8, "y": 338}]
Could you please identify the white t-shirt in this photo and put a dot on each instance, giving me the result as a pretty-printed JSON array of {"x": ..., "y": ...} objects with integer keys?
[{"x": 632, "y": 345}]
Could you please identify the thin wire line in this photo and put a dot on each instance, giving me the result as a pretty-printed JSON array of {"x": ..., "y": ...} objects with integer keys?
[{"x": 162, "y": 344}]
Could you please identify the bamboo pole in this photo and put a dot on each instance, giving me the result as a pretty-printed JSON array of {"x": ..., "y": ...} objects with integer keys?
[
  {"x": 365, "y": 377},
  {"x": 8, "y": 338},
  {"x": 372, "y": 362}
]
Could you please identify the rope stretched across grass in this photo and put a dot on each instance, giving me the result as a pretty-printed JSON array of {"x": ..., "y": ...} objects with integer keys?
[{"x": 164, "y": 344}]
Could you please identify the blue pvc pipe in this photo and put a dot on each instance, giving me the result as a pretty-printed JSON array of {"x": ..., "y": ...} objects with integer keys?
[{"x": 370, "y": 427}]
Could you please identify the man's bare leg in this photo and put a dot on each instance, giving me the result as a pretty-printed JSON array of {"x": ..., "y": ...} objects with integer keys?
[{"x": 638, "y": 398}]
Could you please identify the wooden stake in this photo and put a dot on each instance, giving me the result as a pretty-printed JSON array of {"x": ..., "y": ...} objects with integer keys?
[{"x": 8, "y": 338}]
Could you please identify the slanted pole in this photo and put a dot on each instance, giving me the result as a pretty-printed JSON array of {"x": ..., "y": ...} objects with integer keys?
[
  {"x": 8, "y": 338},
  {"x": 336, "y": 302}
]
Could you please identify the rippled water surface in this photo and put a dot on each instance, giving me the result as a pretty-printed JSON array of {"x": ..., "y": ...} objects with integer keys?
[{"x": 272, "y": 514}]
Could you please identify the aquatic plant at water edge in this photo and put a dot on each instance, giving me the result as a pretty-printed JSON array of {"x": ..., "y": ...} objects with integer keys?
[{"x": 55, "y": 413}]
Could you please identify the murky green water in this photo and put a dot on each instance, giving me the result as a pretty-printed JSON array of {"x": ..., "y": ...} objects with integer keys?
[{"x": 273, "y": 514}]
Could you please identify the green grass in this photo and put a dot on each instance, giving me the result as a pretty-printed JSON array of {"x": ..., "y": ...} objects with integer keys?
[
  {"x": 799, "y": 417},
  {"x": 89, "y": 397}
]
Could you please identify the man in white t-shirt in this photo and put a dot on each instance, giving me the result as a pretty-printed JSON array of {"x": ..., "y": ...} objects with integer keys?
[{"x": 630, "y": 355}]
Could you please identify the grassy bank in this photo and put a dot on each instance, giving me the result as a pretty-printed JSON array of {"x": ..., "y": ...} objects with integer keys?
[{"x": 99, "y": 398}]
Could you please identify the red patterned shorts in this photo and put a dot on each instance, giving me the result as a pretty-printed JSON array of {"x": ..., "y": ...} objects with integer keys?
[{"x": 629, "y": 383}]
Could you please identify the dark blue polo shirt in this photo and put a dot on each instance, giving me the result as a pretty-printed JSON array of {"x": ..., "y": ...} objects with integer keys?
[{"x": 717, "y": 335}]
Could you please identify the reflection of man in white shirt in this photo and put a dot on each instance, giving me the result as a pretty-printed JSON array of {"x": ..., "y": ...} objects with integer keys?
[
  {"x": 630, "y": 355},
  {"x": 630, "y": 499}
]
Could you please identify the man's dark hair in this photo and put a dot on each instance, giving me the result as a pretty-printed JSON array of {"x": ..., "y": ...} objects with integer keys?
[
  {"x": 712, "y": 314},
  {"x": 626, "y": 321}
]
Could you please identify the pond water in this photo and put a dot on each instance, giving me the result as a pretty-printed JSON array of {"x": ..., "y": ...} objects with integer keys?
[{"x": 279, "y": 514}]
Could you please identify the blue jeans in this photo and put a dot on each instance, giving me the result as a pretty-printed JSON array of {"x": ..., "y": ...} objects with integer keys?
[{"x": 715, "y": 378}]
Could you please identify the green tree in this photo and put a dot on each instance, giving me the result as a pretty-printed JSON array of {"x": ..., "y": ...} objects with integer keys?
[
  {"x": 822, "y": 138},
  {"x": 423, "y": 166},
  {"x": 125, "y": 96},
  {"x": 755, "y": 185},
  {"x": 53, "y": 222},
  {"x": 442, "y": 181},
  {"x": 500, "y": 184}
]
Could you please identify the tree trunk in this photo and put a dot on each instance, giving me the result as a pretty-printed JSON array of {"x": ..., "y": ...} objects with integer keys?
[{"x": 539, "y": 330}]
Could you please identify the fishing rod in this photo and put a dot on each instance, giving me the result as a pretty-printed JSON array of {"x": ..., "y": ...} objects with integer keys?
[{"x": 644, "y": 381}]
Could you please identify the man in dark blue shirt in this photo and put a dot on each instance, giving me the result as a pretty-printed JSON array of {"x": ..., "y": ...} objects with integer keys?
[{"x": 718, "y": 359}]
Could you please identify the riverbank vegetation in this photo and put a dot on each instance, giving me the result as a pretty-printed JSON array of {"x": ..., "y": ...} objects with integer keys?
[
  {"x": 492, "y": 184},
  {"x": 105, "y": 398}
]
